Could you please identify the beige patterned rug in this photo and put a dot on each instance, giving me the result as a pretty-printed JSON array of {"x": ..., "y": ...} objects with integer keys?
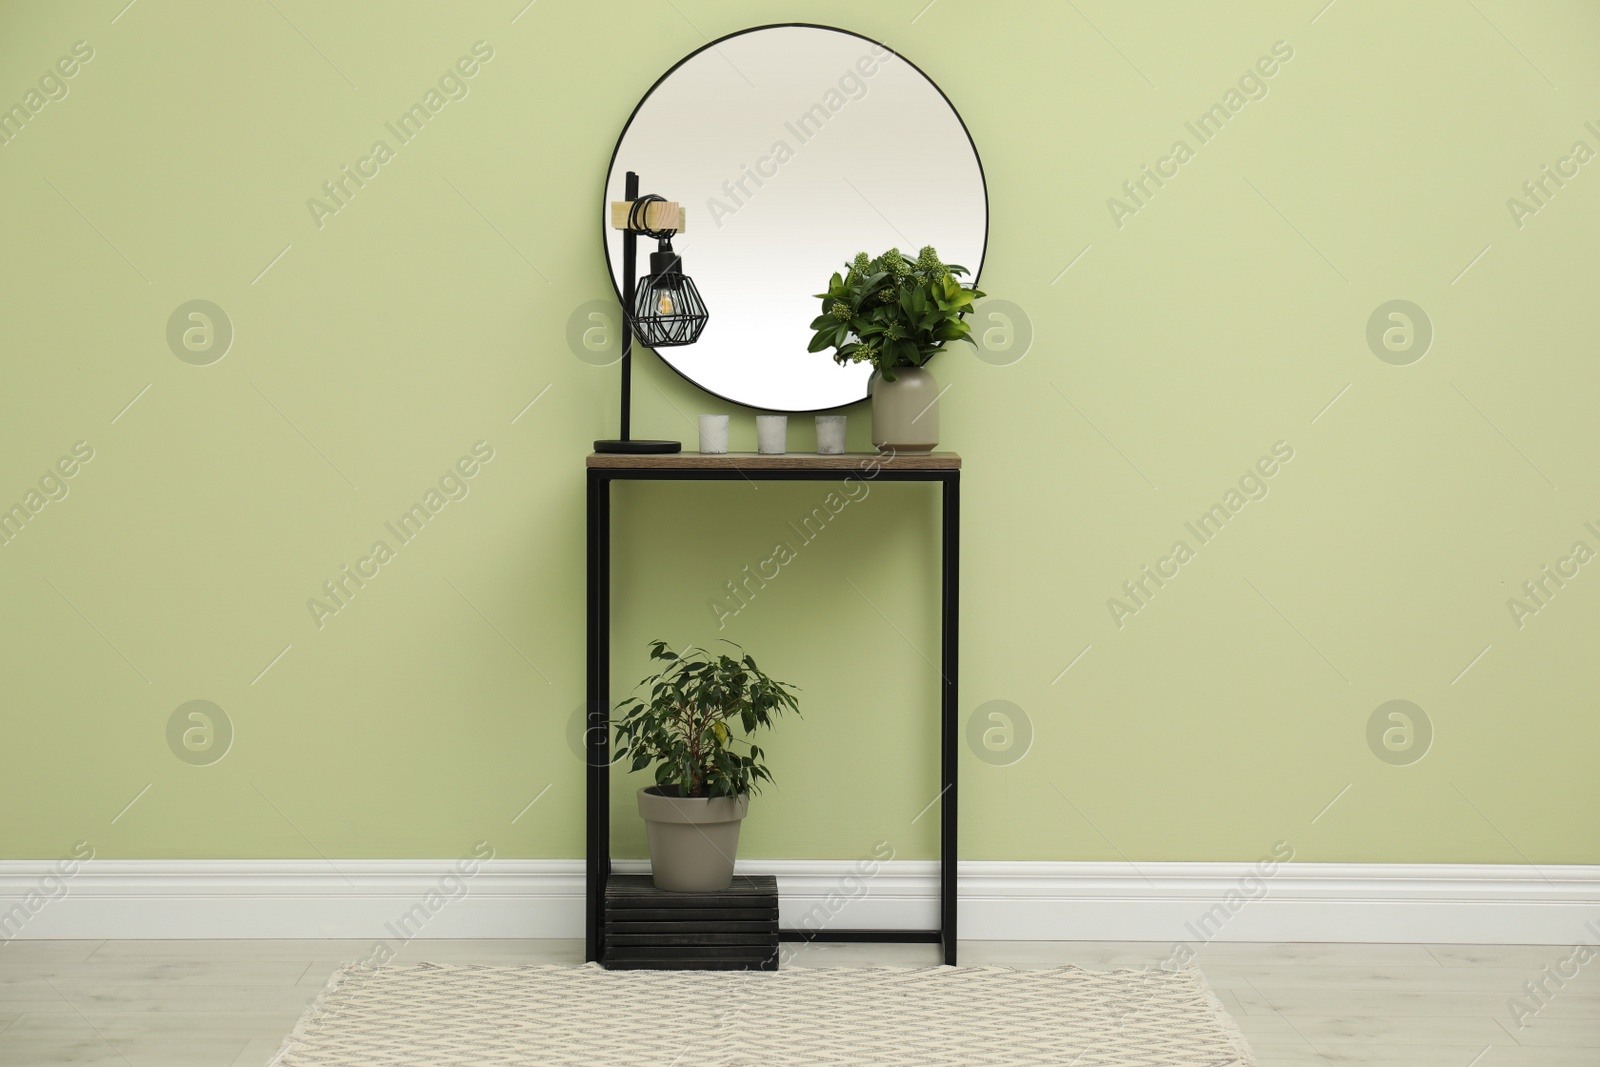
[{"x": 443, "y": 1015}]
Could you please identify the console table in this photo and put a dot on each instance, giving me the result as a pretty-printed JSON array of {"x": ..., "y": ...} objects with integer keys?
[{"x": 606, "y": 468}]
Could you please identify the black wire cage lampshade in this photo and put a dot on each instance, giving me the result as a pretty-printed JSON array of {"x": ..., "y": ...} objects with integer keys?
[{"x": 667, "y": 308}]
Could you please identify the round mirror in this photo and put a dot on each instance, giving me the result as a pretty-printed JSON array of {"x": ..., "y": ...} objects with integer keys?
[{"x": 792, "y": 148}]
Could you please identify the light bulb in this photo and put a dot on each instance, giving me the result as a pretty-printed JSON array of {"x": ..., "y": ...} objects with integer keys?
[{"x": 664, "y": 305}]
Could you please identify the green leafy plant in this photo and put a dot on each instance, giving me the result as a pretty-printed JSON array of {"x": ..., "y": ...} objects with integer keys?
[
  {"x": 893, "y": 313},
  {"x": 685, "y": 725}
]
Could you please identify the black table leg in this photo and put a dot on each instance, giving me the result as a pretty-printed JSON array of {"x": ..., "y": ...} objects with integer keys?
[
  {"x": 950, "y": 713},
  {"x": 597, "y": 733}
]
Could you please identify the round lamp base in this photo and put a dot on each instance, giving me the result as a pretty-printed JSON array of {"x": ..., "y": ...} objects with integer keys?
[{"x": 639, "y": 448}]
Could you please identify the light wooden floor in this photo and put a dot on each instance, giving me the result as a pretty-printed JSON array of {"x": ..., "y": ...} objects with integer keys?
[{"x": 229, "y": 1003}]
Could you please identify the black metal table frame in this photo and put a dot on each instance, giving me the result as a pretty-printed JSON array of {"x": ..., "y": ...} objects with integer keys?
[{"x": 597, "y": 733}]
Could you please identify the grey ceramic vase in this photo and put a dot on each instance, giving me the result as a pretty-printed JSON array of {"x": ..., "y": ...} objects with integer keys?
[
  {"x": 905, "y": 412},
  {"x": 693, "y": 840}
]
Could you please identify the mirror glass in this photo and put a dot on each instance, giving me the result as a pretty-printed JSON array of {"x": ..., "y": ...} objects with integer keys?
[{"x": 792, "y": 148}]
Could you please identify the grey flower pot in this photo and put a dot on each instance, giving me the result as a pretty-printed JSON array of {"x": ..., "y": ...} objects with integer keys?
[
  {"x": 693, "y": 840},
  {"x": 905, "y": 412}
]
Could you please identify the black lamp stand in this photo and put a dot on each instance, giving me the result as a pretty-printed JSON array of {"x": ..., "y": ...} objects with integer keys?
[{"x": 630, "y": 256}]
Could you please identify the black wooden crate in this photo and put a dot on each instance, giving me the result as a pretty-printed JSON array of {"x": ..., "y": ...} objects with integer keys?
[{"x": 735, "y": 929}]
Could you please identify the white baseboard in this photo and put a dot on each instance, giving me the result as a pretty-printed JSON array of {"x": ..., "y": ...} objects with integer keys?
[{"x": 1166, "y": 902}]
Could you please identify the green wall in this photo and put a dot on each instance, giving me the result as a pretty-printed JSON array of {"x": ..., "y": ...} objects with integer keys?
[{"x": 1222, "y": 316}]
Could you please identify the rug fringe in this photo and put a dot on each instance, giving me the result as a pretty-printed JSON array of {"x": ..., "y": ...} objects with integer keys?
[
  {"x": 315, "y": 1013},
  {"x": 1247, "y": 1055}
]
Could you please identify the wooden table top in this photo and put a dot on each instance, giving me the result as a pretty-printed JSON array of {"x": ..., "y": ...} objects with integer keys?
[{"x": 789, "y": 461}]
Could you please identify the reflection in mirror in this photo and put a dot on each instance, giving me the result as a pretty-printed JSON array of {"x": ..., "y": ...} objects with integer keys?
[{"x": 792, "y": 148}]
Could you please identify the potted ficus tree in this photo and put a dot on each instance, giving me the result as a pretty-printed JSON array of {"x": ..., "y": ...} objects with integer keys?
[
  {"x": 694, "y": 721},
  {"x": 895, "y": 314}
]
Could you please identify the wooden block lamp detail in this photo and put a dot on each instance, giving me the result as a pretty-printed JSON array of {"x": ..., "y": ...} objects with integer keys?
[{"x": 658, "y": 215}]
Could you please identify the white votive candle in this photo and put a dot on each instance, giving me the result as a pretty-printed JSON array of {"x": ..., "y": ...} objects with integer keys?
[
  {"x": 772, "y": 434},
  {"x": 830, "y": 435},
  {"x": 713, "y": 434}
]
